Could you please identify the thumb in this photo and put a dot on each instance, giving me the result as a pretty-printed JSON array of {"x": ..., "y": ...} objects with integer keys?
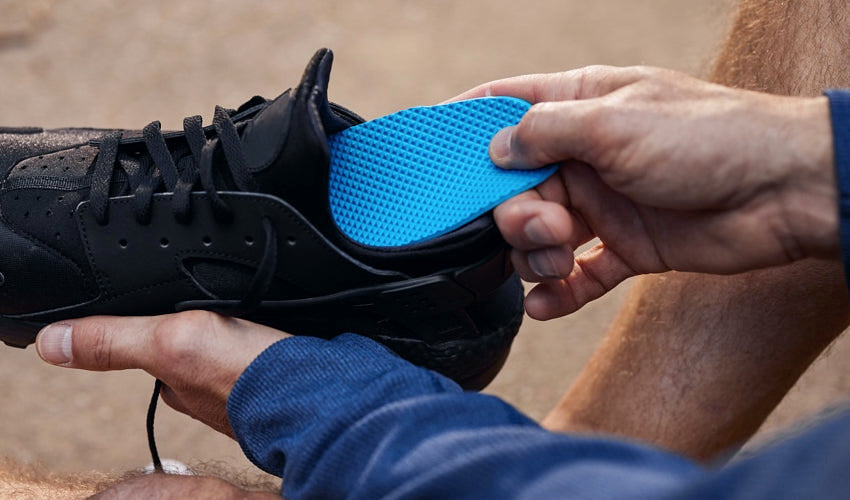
[
  {"x": 550, "y": 132},
  {"x": 97, "y": 343}
]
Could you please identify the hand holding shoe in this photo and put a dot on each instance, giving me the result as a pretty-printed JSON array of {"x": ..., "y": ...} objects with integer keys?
[{"x": 198, "y": 355}]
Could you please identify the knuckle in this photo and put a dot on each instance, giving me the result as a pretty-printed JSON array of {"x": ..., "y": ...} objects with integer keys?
[
  {"x": 177, "y": 337},
  {"x": 652, "y": 81},
  {"x": 647, "y": 72},
  {"x": 579, "y": 80},
  {"x": 643, "y": 73},
  {"x": 595, "y": 80},
  {"x": 194, "y": 319},
  {"x": 601, "y": 128},
  {"x": 509, "y": 218},
  {"x": 99, "y": 345},
  {"x": 596, "y": 71},
  {"x": 514, "y": 211}
]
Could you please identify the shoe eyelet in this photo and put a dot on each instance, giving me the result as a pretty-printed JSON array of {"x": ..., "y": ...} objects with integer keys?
[
  {"x": 249, "y": 240},
  {"x": 207, "y": 241},
  {"x": 123, "y": 243},
  {"x": 163, "y": 242},
  {"x": 291, "y": 241}
]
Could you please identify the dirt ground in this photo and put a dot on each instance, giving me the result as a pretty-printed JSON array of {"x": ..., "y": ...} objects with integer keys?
[{"x": 123, "y": 64}]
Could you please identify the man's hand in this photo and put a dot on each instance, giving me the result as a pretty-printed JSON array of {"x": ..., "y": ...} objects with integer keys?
[
  {"x": 670, "y": 172},
  {"x": 198, "y": 355}
]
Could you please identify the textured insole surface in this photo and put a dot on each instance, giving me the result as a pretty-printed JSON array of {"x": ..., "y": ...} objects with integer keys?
[{"x": 422, "y": 172}]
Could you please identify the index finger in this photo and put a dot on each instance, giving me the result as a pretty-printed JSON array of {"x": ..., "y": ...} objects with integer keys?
[{"x": 582, "y": 83}]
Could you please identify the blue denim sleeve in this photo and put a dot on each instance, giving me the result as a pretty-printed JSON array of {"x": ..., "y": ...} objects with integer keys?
[
  {"x": 839, "y": 106},
  {"x": 348, "y": 419}
]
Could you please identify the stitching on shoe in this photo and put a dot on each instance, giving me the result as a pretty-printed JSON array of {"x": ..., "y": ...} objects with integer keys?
[
  {"x": 113, "y": 297},
  {"x": 103, "y": 280}
]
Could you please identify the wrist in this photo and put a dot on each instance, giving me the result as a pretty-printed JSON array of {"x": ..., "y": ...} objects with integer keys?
[{"x": 811, "y": 188}]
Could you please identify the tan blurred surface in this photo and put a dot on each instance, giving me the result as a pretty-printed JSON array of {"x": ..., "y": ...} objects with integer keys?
[{"x": 123, "y": 64}]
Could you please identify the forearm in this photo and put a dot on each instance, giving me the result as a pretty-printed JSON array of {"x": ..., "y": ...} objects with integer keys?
[
  {"x": 382, "y": 427},
  {"x": 695, "y": 363}
]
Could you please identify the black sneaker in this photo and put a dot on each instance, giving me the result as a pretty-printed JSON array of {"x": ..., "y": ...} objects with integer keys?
[{"x": 234, "y": 218}]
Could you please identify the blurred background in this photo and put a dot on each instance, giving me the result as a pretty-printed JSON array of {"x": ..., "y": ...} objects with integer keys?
[{"x": 123, "y": 64}]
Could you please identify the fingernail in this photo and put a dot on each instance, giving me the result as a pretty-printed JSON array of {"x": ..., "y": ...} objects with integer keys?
[
  {"x": 539, "y": 233},
  {"x": 54, "y": 344},
  {"x": 500, "y": 145},
  {"x": 542, "y": 263}
]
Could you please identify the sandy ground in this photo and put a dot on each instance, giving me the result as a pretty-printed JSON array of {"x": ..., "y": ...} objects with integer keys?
[{"x": 124, "y": 64}]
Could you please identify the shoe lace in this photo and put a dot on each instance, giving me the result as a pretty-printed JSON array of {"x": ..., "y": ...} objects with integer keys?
[{"x": 159, "y": 171}]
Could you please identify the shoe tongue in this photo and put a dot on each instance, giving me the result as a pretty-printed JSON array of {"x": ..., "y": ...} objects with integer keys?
[{"x": 286, "y": 143}]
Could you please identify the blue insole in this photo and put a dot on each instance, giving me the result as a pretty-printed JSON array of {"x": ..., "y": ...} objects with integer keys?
[{"x": 417, "y": 174}]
